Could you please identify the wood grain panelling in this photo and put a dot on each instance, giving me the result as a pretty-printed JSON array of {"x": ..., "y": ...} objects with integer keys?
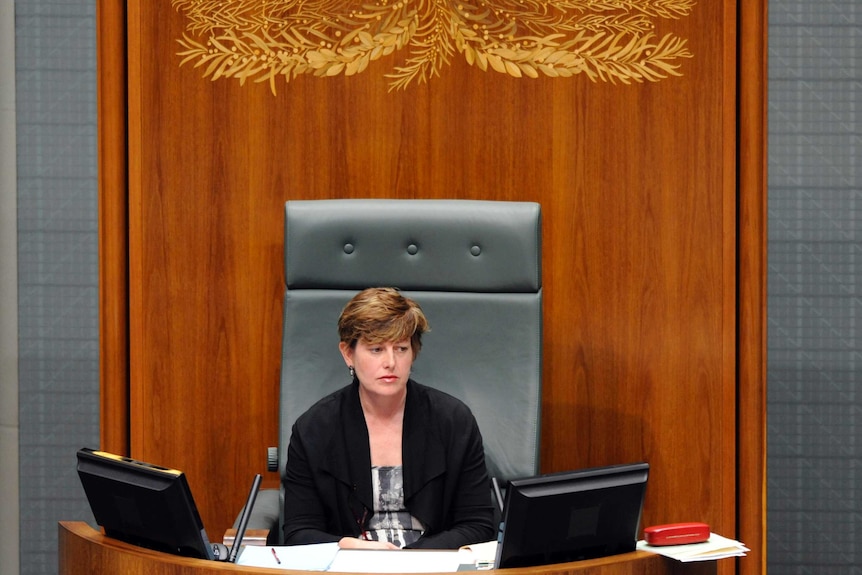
[
  {"x": 639, "y": 196},
  {"x": 751, "y": 357},
  {"x": 84, "y": 551},
  {"x": 113, "y": 226}
]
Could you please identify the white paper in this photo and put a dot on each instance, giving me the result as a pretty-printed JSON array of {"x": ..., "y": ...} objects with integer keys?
[
  {"x": 315, "y": 557},
  {"x": 483, "y": 555},
  {"x": 717, "y": 547},
  {"x": 396, "y": 561}
]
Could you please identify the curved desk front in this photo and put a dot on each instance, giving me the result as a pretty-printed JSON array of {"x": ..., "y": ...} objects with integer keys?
[{"x": 85, "y": 551}]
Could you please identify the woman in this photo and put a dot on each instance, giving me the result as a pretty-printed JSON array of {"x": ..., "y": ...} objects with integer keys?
[{"x": 386, "y": 462}]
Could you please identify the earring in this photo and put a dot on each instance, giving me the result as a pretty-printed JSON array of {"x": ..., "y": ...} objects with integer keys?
[{"x": 351, "y": 371}]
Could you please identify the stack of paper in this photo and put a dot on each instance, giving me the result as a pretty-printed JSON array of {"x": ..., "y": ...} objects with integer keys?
[
  {"x": 482, "y": 555},
  {"x": 717, "y": 547},
  {"x": 396, "y": 561},
  {"x": 328, "y": 557},
  {"x": 316, "y": 557}
]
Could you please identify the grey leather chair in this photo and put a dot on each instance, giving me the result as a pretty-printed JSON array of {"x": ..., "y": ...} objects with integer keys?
[{"x": 475, "y": 269}]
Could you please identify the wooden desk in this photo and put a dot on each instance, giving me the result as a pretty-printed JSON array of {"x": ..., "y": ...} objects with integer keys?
[{"x": 85, "y": 551}]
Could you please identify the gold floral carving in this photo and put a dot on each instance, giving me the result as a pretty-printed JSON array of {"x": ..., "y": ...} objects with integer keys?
[{"x": 260, "y": 40}]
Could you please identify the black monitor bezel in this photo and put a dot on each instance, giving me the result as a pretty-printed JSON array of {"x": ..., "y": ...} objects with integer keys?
[
  {"x": 120, "y": 488},
  {"x": 536, "y": 507}
]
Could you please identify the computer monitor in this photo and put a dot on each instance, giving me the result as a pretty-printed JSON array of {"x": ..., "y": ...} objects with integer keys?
[
  {"x": 573, "y": 515},
  {"x": 143, "y": 504}
]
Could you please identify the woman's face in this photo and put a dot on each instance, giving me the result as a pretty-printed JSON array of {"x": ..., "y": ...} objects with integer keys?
[{"x": 382, "y": 368}]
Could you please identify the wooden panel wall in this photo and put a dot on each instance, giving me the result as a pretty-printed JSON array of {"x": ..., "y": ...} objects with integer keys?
[
  {"x": 751, "y": 305},
  {"x": 639, "y": 195}
]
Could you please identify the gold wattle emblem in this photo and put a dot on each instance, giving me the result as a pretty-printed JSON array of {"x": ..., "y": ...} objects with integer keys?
[{"x": 261, "y": 40}]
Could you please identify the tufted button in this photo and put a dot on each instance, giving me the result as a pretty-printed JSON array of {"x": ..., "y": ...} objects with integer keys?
[
  {"x": 412, "y": 249},
  {"x": 348, "y": 248},
  {"x": 476, "y": 250}
]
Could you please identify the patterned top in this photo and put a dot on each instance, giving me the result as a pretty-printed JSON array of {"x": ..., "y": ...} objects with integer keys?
[{"x": 391, "y": 520}]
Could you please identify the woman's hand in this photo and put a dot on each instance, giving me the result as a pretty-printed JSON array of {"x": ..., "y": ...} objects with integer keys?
[{"x": 354, "y": 543}]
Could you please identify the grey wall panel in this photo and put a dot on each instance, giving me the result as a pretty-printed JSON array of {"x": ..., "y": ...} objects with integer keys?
[
  {"x": 9, "y": 516},
  {"x": 815, "y": 272},
  {"x": 57, "y": 266}
]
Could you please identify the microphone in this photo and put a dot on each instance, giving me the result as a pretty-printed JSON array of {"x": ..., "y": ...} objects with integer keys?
[
  {"x": 497, "y": 493},
  {"x": 243, "y": 520}
]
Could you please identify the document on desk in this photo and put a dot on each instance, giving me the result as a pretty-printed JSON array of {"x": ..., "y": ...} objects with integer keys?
[
  {"x": 717, "y": 547},
  {"x": 315, "y": 557},
  {"x": 328, "y": 557},
  {"x": 482, "y": 555},
  {"x": 397, "y": 561}
]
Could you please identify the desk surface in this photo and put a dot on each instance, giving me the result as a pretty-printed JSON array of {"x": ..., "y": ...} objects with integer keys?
[{"x": 85, "y": 551}]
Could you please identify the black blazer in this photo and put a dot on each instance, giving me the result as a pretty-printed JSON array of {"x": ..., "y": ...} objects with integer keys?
[{"x": 327, "y": 484}]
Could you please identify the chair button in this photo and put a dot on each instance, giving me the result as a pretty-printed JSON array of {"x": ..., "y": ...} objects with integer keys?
[
  {"x": 412, "y": 249},
  {"x": 348, "y": 248},
  {"x": 476, "y": 250},
  {"x": 272, "y": 458}
]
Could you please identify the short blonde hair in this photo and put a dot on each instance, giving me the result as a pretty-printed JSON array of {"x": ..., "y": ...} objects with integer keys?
[{"x": 382, "y": 314}]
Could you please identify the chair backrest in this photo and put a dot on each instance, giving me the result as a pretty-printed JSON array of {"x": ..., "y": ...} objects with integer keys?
[{"x": 475, "y": 269}]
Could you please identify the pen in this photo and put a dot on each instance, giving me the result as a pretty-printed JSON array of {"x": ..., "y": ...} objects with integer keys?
[{"x": 274, "y": 554}]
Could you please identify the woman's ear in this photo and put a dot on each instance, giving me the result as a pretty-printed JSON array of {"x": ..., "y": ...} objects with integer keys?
[{"x": 346, "y": 352}]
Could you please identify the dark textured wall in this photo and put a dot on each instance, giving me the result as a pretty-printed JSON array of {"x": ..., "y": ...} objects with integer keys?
[
  {"x": 57, "y": 266},
  {"x": 815, "y": 272}
]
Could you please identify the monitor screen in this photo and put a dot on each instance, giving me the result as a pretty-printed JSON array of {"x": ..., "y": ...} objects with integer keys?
[
  {"x": 143, "y": 504},
  {"x": 573, "y": 515}
]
